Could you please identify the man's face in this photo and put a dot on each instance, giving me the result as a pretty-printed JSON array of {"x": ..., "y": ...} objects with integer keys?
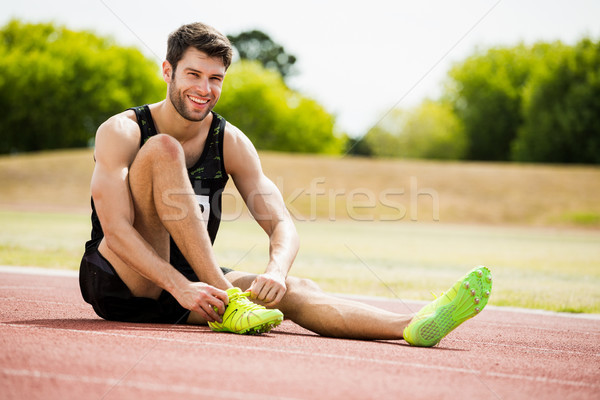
[{"x": 195, "y": 87}]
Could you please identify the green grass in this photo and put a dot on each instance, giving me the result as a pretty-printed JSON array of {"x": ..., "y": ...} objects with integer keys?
[
  {"x": 43, "y": 239},
  {"x": 583, "y": 218},
  {"x": 554, "y": 264},
  {"x": 547, "y": 269},
  {"x": 556, "y": 270},
  {"x": 556, "y": 196}
]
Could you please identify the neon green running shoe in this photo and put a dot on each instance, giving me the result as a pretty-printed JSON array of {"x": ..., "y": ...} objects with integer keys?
[
  {"x": 461, "y": 302},
  {"x": 245, "y": 317}
]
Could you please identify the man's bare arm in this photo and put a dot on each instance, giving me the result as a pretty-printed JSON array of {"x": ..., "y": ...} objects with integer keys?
[
  {"x": 266, "y": 204},
  {"x": 117, "y": 143}
]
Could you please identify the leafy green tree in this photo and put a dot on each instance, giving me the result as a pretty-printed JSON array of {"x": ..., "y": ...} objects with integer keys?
[
  {"x": 562, "y": 109},
  {"x": 257, "y": 45},
  {"x": 433, "y": 131},
  {"x": 58, "y": 85},
  {"x": 430, "y": 131},
  {"x": 383, "y": 139},
  {"x": 486, "y": 91},
  {"x": 274, "y": 117},
  {"x": 357, "y": 146}
]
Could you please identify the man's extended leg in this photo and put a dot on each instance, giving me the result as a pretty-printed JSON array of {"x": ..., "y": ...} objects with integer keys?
[
  {"x": 311, "y": 308},
  {"x": 308, "y": 306}
]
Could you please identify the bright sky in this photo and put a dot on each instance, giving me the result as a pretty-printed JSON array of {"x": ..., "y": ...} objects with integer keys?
[{"x": 358, "y": 59}]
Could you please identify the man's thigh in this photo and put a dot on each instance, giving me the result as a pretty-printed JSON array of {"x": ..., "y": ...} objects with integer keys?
[{"x": 142, "y": 188}]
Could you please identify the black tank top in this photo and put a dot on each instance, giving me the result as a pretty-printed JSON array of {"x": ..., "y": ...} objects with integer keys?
[{"x": 207, "y": 176}]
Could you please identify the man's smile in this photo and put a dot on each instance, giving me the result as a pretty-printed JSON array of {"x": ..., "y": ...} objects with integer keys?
[{"x": 197, "y": 100}]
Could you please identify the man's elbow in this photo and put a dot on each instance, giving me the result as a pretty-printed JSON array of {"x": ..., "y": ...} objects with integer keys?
[{"x": 116, "y": 239}]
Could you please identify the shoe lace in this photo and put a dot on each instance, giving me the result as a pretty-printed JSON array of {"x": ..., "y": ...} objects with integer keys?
[{"x": 242, "y": 300}]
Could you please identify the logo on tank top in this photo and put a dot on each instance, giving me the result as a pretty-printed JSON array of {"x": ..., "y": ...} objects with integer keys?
[{"x": 204, "y": 203}]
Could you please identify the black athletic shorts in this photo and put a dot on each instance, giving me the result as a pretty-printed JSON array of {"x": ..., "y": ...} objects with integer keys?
[{"x": 111, "y": 299}]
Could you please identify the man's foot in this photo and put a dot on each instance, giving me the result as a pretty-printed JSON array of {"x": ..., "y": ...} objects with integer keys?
[
  {"x": 462, "y": 301},
  {"x": 243, "y": 316}
]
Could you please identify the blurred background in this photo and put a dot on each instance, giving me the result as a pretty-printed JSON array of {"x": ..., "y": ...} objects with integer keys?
[
  {"x": 467, "y": 80},
  {"x": 405, "y": 135}
]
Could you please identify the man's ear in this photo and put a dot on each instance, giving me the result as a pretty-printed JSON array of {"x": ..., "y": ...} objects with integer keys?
[{"x": 167, "y": 71}]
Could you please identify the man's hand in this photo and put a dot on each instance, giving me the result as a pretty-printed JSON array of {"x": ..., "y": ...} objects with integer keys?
[
  {"x": 201, "y": 298},
  {"x": 268, "y": 288}
]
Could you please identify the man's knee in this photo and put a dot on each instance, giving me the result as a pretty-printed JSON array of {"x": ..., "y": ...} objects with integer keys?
[
  {"x": 300, "y": 291},
  {"x": 161, "y": 154},
  {"x": 301, "y": 285},
  {"x": 163, "y": 147}
]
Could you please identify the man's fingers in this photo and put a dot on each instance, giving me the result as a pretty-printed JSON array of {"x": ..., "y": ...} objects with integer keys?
[
  {"x": 217, "y": 302},
  {"x": 270, "y": 294},
  {"x": 278, "y": 296},
  {"x": 266, "y": 294},
  {"x": 255, "y": 289},
  {"x": 207, "y": 302},
  {"x": 221, "y": 295},
  {"x": 210, "y": 312},
  {"x": 267, "y": 290}
]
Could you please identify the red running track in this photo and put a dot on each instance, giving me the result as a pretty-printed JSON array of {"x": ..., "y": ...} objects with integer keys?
[{"x": 53, "y": 346}]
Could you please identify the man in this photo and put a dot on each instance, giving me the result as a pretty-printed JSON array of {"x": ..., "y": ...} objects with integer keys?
[{"x": 156, "y": 198}]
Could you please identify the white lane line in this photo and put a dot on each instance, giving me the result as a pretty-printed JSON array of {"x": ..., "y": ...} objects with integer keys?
[
  {"x": 25, "y": 287},
  {"x": 499, "y": 324},
  {"x": 518, "y": 310},
  {"x": 75, "y": 273},
  {"x": 312, "y": 354},
  {"x": 203, "y": 392},
  {"x": 561, "y": 330},
  {"x": 38, "y": 271},
  {"x": 529, "y": 349},
  {"x": 19, "y": 300}
]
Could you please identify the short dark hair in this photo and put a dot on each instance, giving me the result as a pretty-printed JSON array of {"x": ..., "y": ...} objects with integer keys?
[{"x": 204, "y": 38}]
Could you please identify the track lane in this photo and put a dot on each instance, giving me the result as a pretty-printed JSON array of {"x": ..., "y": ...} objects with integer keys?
[{"x": 53, "y": 346}]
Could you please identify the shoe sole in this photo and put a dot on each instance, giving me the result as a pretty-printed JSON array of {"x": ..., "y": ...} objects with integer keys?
[
  {"x": 263, "y": 327},
  {"x": 472, "y": 295}
]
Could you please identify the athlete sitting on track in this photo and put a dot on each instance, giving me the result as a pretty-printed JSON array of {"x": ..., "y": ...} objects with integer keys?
[{"x": 150, "y": 258}]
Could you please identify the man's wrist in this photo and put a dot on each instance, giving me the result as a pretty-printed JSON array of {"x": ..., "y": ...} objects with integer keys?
[
  {"x": 276, "y": 270},
  {"x": 176, "y": 282}
]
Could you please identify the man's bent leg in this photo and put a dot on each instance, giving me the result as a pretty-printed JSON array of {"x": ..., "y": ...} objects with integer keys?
[
  {"x": 308, "y": 306},
  {"x": 176, "y": 208},
  {"x": 157, "y": 174}
]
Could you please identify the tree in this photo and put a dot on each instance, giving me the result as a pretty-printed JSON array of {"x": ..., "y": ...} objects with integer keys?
[
  {"x": 58, "y": 85},
  {"x": 562, "y": 109},
  {"x": 433, "y": 131},
  {"x": 430, "y": 131},
  {"x": 383, "y": 139},
  {"x": 357, "y": 146},
  {"x": 486, "y": 92},
  {"x": 274, "y": 117},
  {"x": 257, "y": 45}
]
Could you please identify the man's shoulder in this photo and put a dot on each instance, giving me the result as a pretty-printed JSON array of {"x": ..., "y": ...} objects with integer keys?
[
  {"x": 121, "y": 132},
  {"x": 234, "y": 134},
  {"x": 122, "y": 120},
  {"x": 122, "y": 124}
]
